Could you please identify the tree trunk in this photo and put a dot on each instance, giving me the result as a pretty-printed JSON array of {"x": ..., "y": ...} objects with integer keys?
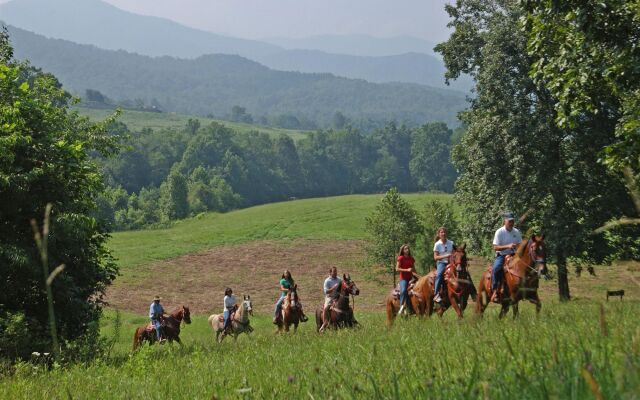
[{"x": 563, "y": 276}]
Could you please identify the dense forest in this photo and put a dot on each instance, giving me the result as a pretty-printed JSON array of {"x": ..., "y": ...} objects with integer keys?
[
  {"x": 211, "y": 84},
  {"x": 169, "y": 174}
]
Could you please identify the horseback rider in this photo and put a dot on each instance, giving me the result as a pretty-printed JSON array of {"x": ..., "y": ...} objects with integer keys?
[
  {"x": 286, "y": 283},
  {"x": 442, "y": 249},
  {"x": 229, "y": 308},
  {"x": 505, "y": 242},
  {"x": 405, "y": 265},
  {"x": 156, "y": 314},
  {"x": 331, "y": 288}
]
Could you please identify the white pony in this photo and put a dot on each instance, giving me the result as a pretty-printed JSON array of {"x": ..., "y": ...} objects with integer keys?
[{"x": 239, "y": 321}]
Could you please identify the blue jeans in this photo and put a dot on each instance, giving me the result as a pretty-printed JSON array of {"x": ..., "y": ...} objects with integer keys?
[
  {"x": 403, "y": 290},
  {"x": 227, "y": 315},
  {"x": 496, "y": 271},
  {"x": 157, "y": 325},
  {"x": 278, "y": 306},
  {"x": 440, "y": 267}
]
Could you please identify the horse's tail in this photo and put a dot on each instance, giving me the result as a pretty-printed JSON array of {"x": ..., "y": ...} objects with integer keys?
[
  {"x": 391, "y": 315},
  {"x": 136, "y": 339}
]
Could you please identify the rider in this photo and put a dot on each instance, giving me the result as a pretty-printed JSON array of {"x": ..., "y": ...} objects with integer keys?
[
  {"x": 442, "y": 249},
  {"x": 405, "y": 265},
  {"x": 229, "y": 307},
  {"x": 331, "y": 288},
  {"x": 505, "y": 242},
  {"x": 156, "y": 313},
  {"x": 286, "y": 283}
]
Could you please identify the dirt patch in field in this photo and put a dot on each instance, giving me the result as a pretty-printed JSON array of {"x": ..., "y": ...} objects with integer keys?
[{"x": 198, "y": 280}]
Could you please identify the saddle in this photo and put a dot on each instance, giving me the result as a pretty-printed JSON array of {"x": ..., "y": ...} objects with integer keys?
[
  {"x": 396, "y": 291},
  {"x": 232, "y": 317}
]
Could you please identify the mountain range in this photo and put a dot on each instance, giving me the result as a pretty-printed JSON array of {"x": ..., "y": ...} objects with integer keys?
[
  {"x": 400, "y": 59},
  {"x": 211, "y": 84}
]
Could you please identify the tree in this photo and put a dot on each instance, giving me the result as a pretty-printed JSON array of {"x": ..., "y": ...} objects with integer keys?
[
  {"x": 512, "y": 155},
  {"x": 44, "y": 158},
  {"x": 339, "y": 120},
  {"x": 192, "y": 126},
  {"x": 239, "y": 114},
  {"x": 393, "y": 223},
  {"x": 586, "y": 54},
  {"x": 430, "y": 151},
  {"x": 175, "y": 194}
]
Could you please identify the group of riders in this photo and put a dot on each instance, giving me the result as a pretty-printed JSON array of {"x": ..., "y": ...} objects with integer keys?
[{"x": 505, "y": 242}]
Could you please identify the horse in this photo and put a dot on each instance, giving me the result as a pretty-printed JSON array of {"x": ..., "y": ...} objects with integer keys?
[
  {"x": 239, "y": 321},
  {"x": 291, "y": 313},
  {"x": 170, "y": 328},
  {"x": 521, "y": 276},
  {"x": 340, "y": 313},
  {"x": 457, "y": 285},
  {"x": 415, "y": 301}
]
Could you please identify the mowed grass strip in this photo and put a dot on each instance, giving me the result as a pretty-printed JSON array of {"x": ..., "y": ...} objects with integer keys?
[
  {"x": 568, "y": 352},
  {"x": 332, "y": 218},
  {"x": 138, "y": 120}
]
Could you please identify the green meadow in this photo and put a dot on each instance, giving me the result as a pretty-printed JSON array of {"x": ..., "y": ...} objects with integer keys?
[
  {"x": 137, "y": 120},
  {"x": 571, "y": 351}
]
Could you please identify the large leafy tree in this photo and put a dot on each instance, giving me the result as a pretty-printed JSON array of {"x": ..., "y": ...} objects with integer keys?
[
  {"x": 513, "y": 155},
  {"x": 44, "y": 158},
  {"x": 587, "y": 53}
]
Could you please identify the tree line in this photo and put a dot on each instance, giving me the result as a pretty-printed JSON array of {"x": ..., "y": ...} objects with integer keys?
[{"x": 173, "y": 173}]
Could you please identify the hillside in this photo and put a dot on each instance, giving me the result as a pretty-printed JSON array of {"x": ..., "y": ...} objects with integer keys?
[
  {"x": 407, "y": 67},
  {"x": 108, "y": 27},
  {"x": 215, "y": 83},
  {"x": 138, "y": 120}
]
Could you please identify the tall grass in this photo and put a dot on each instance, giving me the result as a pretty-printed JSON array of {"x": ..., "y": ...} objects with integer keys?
[{"x": 562, "y": 354}]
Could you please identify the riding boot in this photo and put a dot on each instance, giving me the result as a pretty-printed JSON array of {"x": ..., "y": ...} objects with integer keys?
[
  {"x": 304, "y": 318},
  {"x": 401, "y": 310}
]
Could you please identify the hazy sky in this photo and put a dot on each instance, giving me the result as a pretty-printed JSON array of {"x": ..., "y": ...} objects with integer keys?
[{"x": 298, "y": 18}]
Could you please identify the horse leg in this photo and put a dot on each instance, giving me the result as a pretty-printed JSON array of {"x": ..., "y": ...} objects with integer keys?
[
  {"x": 454, "y": 304},
  {"x": 515, "y": 310},
  {"x": 536, "y": 300},
  {"x": 504, "y": 310}
]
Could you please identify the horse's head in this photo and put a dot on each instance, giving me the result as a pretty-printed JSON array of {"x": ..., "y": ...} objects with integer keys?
[
  {"x": 186, "y": 315},
  {"x": 537, "y": 253},
  {"x": 246, "y": 304},
  {"x": 349, "y": 286},
  {"x": 459, "y": 258}
]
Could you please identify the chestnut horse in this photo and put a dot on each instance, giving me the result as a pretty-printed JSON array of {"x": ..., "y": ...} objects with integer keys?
[
  {"x": 340, "y": 312},
  {"x": 239, "y": 321},
  {"x": 521, "y": 277},
  {"x": 291, "y": 311},
  {"x": 457, "y": 285},
  {"x": 170, "y": 328},
  {"x": 415, "y": 300}
]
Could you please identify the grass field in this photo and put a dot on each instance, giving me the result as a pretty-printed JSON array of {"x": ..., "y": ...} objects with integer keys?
[
  {"x": 586, "y": 348},
  {"x": 137, "y": 120},
  {"x": 570, "y": 352}
]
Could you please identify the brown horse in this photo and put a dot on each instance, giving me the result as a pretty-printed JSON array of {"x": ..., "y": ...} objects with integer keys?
[
  {"x": 291, "y": 311},
  {"x": 457, "y": 285},
  {"x": 170, "y": 329},
  {"x": 340, "y": 312},
  {"x": 521, "y": 278},
  {"x": 416, "y": 302}
]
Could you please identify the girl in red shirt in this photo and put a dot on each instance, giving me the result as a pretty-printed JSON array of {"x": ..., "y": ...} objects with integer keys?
[{"x": 405, "y": 265}]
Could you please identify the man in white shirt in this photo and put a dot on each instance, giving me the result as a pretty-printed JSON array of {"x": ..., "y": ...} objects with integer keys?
[
  {"x": 505, "y": 242},
  {"x": 330, "y": 288}
]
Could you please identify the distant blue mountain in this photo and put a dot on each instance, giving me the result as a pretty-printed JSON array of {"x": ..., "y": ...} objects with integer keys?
[
  {"x": 101, "y": 24},
  {"x": 215, "y": 83}
]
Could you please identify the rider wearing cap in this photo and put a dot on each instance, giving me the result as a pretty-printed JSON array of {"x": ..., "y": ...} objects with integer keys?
[
  {"x": 156, "y": 312},
  {"x": 505, "y": 242}
]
